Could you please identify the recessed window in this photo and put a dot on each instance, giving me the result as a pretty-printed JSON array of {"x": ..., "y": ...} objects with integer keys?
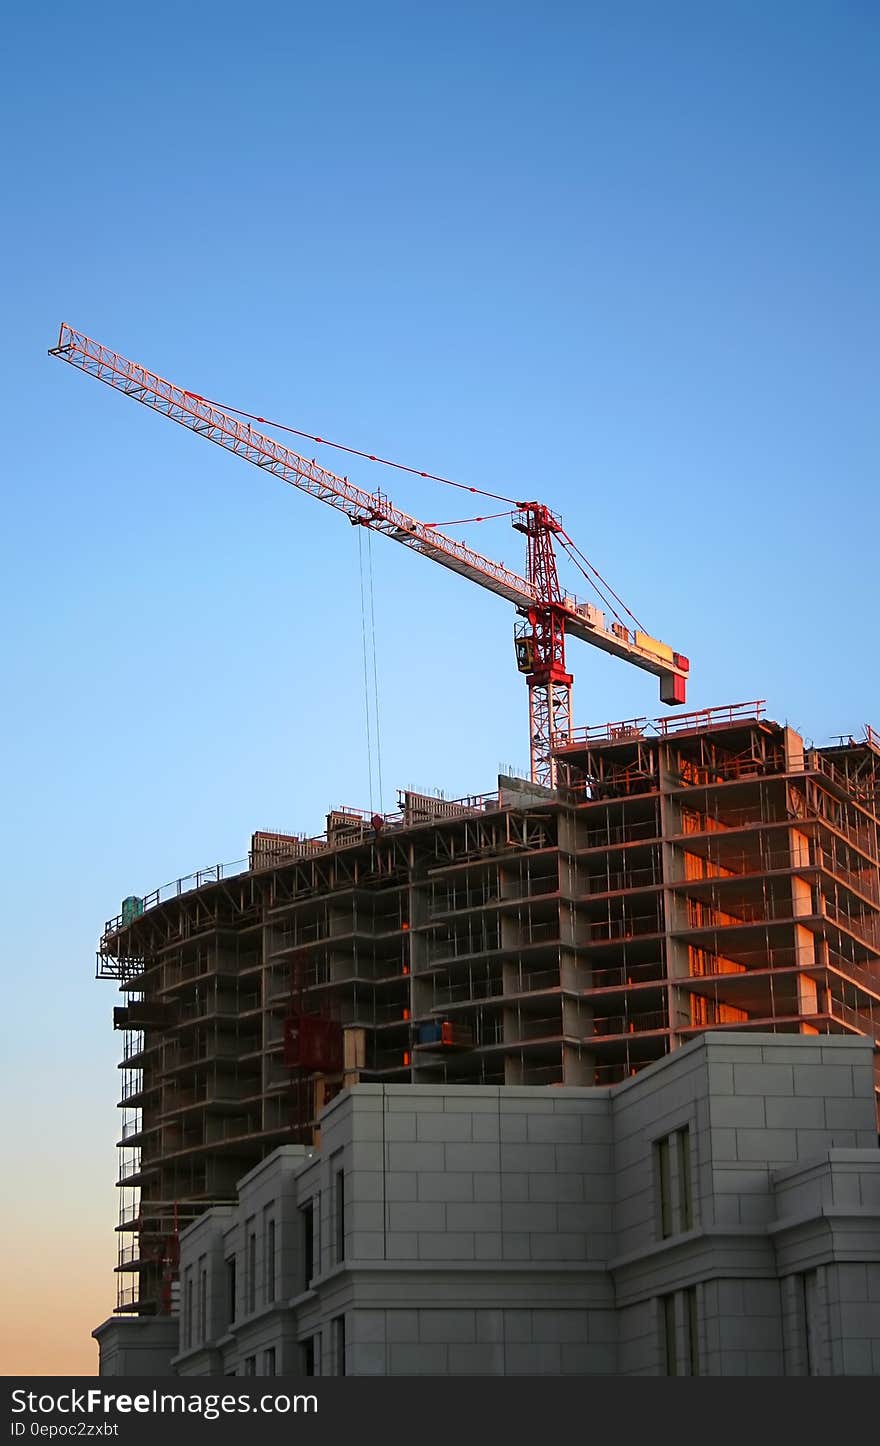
[
  {"x": 338, "y": 1328},
  {"x": 311, "y": 1356},
  {"x": 663, "y": 1174},
  {"x": 812, "y": 1331},
  {"x": 339, "y": 1215},
  {"x": 685, "y": 1178},
  {"x": 679, "y": 1333},
  {"x": 188, "y": 1308},
  {"x": 693, "y": 1332},
  {"x": 670, "y": 1354},
  {"x": 673, "y": 1179},
  {"x": 251, "y": 1271},
  {"x": 230, "y": 1290},
  {"x": 203, "y": 1301},
  {"x": 307, "y": 1238},
  {"x": 270, "y": 1261}
]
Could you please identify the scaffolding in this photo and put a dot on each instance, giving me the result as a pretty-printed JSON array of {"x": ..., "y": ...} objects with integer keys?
[{"x": 711, "y": 873}]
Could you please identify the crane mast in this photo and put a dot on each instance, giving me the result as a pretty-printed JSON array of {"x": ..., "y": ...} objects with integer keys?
[
  {"x": 540, "y": 643},
  {"x": 547, "y": 614}
]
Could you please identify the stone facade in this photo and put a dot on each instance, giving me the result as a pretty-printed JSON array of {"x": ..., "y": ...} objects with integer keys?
[{"x": 717, "y": 1214}]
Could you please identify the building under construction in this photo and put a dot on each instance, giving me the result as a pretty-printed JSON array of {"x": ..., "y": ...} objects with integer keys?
[{"x": 710, "y": 870}]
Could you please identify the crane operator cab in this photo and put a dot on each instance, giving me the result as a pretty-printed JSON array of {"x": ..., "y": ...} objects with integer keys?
[{"x": 525, "y": 653}]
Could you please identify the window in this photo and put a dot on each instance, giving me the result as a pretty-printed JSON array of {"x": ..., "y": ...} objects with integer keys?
[
  {"x": 250, "y": 1365},
  {"x": 673, "y": 1159},
  {"x": 188, "y": 1307},
  {"x": 685, "y": 1182},
  {"x": 251, "y": 1270},
  {"x": 307, "y": 1219},
  {"x": 339, "y": 1215},
  {"x": 338, "y": 1328},
  {"x": 269, "y": 1261},
  {"x": 680, "y": 1352},
  {"x": 812, "y": 1333},
  {"x": 203, "y": 1299},
  {"x": 269, "y": 1362},
  {"x": 230, "y": 1290},
  {"x": 667, "y": 1308},
  {"x": 311, "y": 1356},
  {"x": 662, "y": 1171},
  {"x": 693, "y": 1337}
]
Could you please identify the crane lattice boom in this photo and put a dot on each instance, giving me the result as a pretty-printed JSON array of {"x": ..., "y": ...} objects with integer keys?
[{"x": 549, "y": 615}]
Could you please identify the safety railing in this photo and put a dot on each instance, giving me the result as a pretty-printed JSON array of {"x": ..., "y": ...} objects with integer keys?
[
  {"x": 611, "y": 882},
  {"x": 865, "y": 928},
  {"x": 614, "y": 835},
  {"x": 634, "y": 728},
  {"x": 863, "y": 838},
  {"x": 862, "y": 974},
  {"x": 866, "y": 793},
  {"x": 130, "y": 1214},
  {"x": 132, "y": 1083},
  {"x": 185, "y": 885},
  {"x": 862, "y": 883},
  {"x": 857, "y": 1019},
  {"x": 133, "y": 1044},
  {"x": 619, "y": 1024},
  {"x": 362, "y": 826},
  {"x": 629, "y": 928},
  {"x": 530, "y": 982},
  {"x": 628, "y": 974},
  {"x": 444, "y": 951}
]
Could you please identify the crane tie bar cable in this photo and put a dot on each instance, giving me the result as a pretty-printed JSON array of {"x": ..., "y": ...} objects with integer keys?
[
  {"x": 460, "y": 521},
  {"x": 352, "y": 451},
  {"x": 598, "y": 574},
  {"x": 428, "y": 476}
]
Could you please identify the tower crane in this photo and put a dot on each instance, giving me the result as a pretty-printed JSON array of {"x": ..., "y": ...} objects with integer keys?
[{"x": 546, "y": 613}]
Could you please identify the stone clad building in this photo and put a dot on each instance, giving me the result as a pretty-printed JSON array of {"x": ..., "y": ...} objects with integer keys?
[{"x": 716, "y": 1214}]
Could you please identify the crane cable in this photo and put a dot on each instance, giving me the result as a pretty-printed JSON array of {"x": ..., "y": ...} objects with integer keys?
[
  {"x": 352, "y": 451},
  {"x": 592, "y": 582},
  {"x": 460, "y": 521},
  {"x": 430, "y": 477},
  {"x": 597, "y": 573},
  {"x": 372, "y": 725},
  {"x": 366, "y": 683},
  {"x": 375, "y": 666}
]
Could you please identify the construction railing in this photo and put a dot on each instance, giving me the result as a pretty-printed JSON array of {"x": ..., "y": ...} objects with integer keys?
[
  {"x": 363, "y": 829},
  {"x": 634, "y": 728}
]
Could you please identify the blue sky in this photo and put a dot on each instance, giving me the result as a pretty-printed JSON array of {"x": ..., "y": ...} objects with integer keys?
[{"x": 617, "y": 256}]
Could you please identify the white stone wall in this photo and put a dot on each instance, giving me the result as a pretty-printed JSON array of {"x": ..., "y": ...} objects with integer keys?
[{"x": 533, "y": 1231}]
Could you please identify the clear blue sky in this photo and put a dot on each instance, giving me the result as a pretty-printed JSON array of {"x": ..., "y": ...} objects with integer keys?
[{"x": 620, "y": 256}]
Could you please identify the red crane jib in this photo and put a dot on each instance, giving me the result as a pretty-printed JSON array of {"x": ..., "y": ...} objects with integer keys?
[{"x": 549, "y": 613}]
